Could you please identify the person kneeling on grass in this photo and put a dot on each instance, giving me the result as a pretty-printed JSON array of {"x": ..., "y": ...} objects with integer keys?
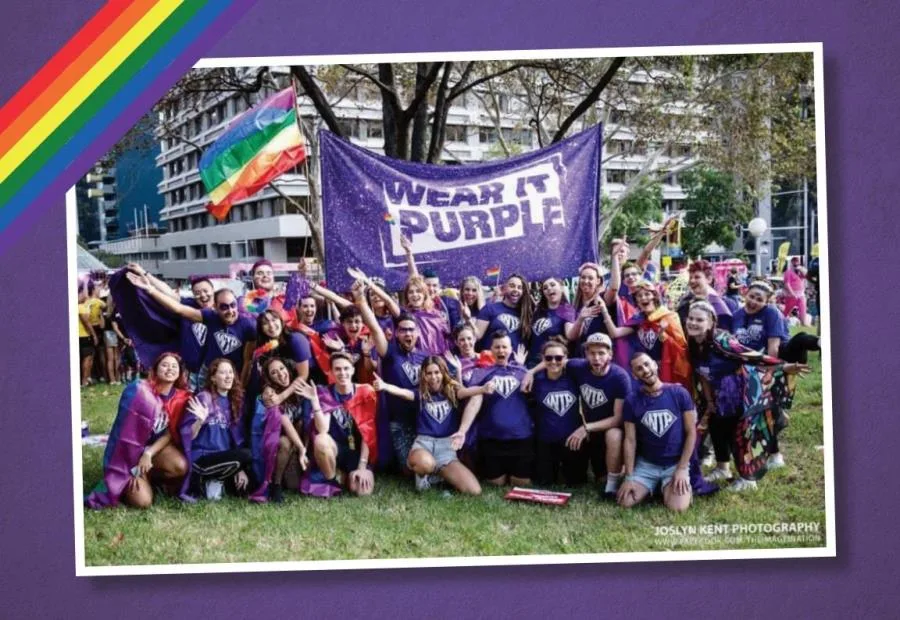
[
  {"x": 438, "y": 438},
  {"x": 212, "y": 435},
  {"x": 141, "y": 452},
  {"x": 505, "y": 430},
  {"x": 344, "y": 437},
  {"x": 281, "y": 389},
  {"x": 660, "y": 432}
]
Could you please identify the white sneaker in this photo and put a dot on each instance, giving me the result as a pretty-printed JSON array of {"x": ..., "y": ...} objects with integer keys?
[
  {"x": 214, "y": 490},
  {"x": 776, "y": 461},
  {"x": 717, "y": 474},
  {"x": 742, "y": 484},
  {"x": 709, "y": 461},
  {"x": 423, "y": 483}
]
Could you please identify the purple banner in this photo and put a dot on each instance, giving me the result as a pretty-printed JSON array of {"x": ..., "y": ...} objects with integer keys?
[{"x": 535, "y": 214}]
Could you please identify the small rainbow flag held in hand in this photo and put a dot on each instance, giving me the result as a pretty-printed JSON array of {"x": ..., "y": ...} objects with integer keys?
[
  {"x": 256, "y": 301},
  {"x": 389, "y": 218},
  {"x": 260, "y": 145},
  {"x": 493, "y": 272}
]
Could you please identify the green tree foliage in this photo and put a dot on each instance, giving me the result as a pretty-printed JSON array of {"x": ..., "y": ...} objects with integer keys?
[
  {"x": 642, "y": 206},
  {"x": 714, "y": 210}
]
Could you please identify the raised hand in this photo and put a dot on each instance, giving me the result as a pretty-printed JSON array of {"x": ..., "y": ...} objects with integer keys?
[
  {"x": 377, "y": 383},
  {"x": 521, "y": 354},
  {"x": 141, "y": 282},
  {"x": 333, "y": 343},
  {"x": 307, "y": 390},
  {"x": 198, "y": 409},
  {"x": 406, "y": 244}
]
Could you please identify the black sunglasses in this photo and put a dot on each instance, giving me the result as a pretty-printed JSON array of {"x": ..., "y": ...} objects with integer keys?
[
  {"x": 554, "y": 358},
  {"x": 226, "y": 307}
]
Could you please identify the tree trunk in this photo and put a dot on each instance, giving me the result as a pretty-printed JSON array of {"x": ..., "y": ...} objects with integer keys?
[
  {"x": 388, "y": 112},
  {"x": 439, "y": 122},
  {"x": 420, "y": 117}
]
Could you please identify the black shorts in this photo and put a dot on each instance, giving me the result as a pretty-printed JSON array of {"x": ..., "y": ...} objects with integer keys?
[
  {"x": 551, "y": 458},
  {"x": 511, "y": 457},
  {"x": 85, "y": 347},
  {"x": 347, "y": 459}
]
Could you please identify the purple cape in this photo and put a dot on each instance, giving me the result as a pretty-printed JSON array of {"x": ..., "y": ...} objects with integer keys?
[
  {"x": 153, "y": 330},
  {"x": 265, "y": 430},
  {"x": 433, "y": 332},
  {"x": 133, "y": 427}
]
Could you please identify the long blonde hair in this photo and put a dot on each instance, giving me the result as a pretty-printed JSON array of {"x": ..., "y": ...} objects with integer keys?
[{"x": 448, "y": 384}]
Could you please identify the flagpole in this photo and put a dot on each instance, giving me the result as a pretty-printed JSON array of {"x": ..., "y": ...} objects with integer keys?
[{"x": 312, "y": 188}]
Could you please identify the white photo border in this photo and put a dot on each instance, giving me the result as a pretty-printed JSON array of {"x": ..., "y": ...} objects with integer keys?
[{"x": 830, "y": 548}]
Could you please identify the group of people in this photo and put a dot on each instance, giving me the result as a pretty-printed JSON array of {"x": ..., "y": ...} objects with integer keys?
[
  {"x": 106, "y": 353},
  {"x": 260, "y": 392}
]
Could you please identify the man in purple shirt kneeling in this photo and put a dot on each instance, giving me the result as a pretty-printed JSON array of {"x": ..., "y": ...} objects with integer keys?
[{"x": 660, "y": 432}]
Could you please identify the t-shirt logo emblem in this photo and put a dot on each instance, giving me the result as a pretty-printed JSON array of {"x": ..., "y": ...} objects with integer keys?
[
  {"x": 647, "y": 338},
  {"x": 438, "y": 410},
  {"x": 505, "y": 385},
  {"x": 540, "y": 326},
  {"x": 199, "y": 330},
  {"x": 659, "y": 421},
  {"x": 510, "y": 322},
  {"x": 593, "y": 397},
  {"x": 559, "y": 402},
  {"x": 412, "y": 372},
  {"x": 227, "y": 342}
]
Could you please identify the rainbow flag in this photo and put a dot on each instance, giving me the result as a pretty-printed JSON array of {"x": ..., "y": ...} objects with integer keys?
[
  {"x": 389, "y": 219},
  {"x": 493, "y": 272},
  {"x": 259, "y": 145}
]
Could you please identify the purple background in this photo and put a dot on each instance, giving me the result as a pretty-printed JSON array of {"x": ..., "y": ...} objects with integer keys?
[{"x": 861, "y": 70}]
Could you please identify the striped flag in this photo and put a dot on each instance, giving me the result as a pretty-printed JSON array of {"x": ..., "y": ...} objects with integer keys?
[
  {"x": 260, "y": 145},
  {"x": 493, "y": 272}
]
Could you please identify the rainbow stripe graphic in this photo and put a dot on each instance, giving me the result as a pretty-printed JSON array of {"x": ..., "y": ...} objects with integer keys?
[
  {"x": 492, "y": 271},
  {"x": 389, "y": 219},
  {"x": 92, "y": 80},
  {"x": 259, "y": 145}
]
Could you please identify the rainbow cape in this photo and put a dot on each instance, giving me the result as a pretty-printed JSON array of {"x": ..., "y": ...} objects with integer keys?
[{"x": 259, "y": 145}]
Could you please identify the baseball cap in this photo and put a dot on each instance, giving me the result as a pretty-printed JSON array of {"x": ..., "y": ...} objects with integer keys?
[{"x": 598, "y": 338}]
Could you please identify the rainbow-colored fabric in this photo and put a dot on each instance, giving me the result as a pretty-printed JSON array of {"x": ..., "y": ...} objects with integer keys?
[{"x": 262, "y": 143}]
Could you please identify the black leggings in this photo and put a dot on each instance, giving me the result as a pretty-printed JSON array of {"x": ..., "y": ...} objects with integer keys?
[
  {"x": 795, "y": 350},
  {"x": 222, "y": 465},
  {"x": 721, "y": 432}
]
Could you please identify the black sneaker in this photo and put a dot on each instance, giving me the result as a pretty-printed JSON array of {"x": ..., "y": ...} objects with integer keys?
[{"x": 275, "y": 494}]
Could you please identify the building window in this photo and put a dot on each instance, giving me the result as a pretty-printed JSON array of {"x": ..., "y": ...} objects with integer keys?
[
  {"x": 487, "y": 135},
  {"x": 198, "y": 251},
  {"x": 254, "y": 247},
  {"x": 179, "y": 253},
  {"x": 198, "y": 125},
  {"x": 619, "y": 176},
  {"x": 349, "y": 127},
  {"x": 456, "y": 133},
  {"x": 254, "y": 211},
  {"x": 616, "y": 117},
  {"x": 241, "y": 249},
  {"x": 376, "y": 130},
  {"x": 223, "y": 250}
]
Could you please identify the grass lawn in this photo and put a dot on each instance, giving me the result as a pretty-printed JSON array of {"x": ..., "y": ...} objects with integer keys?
[{"x": 397, "y": 522}]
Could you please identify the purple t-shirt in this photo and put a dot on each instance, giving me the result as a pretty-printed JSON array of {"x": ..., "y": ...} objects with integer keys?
[
  {"x": 659, "y": 423},
  {"x": 450, "y": 309},
  {"x": 500, "y": 316},
  {"x": 754, "y": 330},
  {"x": 504, "y": 414},
  {"x": 593, "y": 325},
  {"x": 598, "y": 394},
  {"x": 402, "y": 369},
  {"x": 437, "y": 417},
  {"x": 342, "y": 425},
  {"x": 547, "y": 324},
  {"x": 227, "y": 340},
  {"x": 215, "y": 433},
  {"x": 555, "y": 407},
  {"x": 192, "y": 339}
]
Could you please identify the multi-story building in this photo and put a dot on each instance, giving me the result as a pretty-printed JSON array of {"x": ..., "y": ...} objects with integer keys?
[
  {"x": 96, "y": 200},
  {"x": 268, "y": 225}
]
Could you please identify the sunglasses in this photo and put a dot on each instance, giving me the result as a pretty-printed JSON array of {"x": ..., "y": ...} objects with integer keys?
[
  {"x": 554, "y": 358},
  {"x": 406, "y": 330},
  {"x": 227, "y": 307}
]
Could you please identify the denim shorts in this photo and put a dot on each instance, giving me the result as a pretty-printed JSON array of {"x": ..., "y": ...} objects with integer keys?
[
  {"x": 438, "y": 447},
  {"x": 650, "y": 475}
]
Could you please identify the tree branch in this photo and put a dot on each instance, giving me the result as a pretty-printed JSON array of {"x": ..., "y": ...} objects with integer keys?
[{"x": 590, "y": 100}]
